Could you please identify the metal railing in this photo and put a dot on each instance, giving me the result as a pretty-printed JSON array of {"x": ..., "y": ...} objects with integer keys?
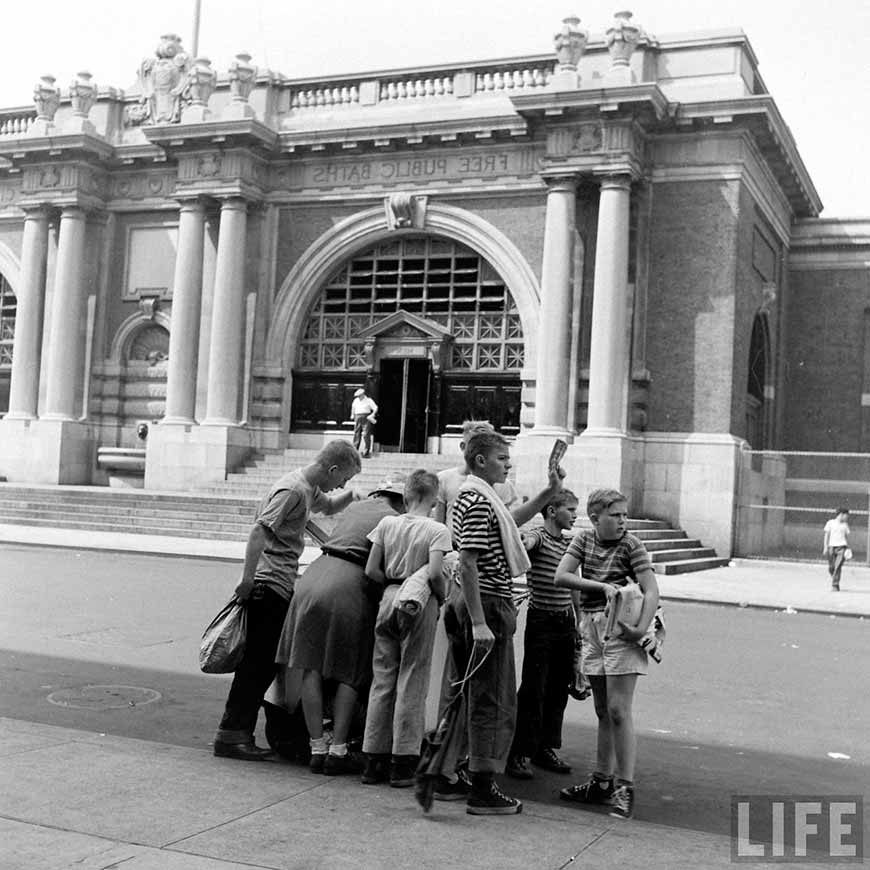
[{"x": 785, "y": 498}]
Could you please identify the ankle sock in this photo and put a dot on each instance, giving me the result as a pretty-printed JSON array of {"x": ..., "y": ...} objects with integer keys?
[
  {"x": 339, "y": 749},
  {"x": 602, "y": 777},
  {"x": 318, "y": 745},
  {"x": 628, "y": 782}
]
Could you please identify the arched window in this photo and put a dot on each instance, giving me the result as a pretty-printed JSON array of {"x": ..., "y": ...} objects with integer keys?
[
  {"x": 756, "y": 383},
  {"x": 8, "y": 307},
  {"x": 438, "y": 279}
]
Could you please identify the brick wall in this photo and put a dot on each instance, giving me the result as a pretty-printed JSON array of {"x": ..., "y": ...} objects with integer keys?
[
  {"x": 692, "y": 273},
  {"x": 825, "y": 359}
]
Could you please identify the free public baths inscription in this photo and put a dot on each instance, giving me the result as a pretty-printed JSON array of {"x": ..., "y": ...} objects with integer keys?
[{"x": 411, "y": 168}]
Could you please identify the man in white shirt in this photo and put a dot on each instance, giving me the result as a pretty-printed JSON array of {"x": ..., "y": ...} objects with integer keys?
[
  {"x": 836, "y": 544},
  {"x": 363, "y": 412}
]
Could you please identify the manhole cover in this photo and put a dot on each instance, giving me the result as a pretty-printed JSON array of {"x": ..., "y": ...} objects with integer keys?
[{"x": 104, "y": 697}]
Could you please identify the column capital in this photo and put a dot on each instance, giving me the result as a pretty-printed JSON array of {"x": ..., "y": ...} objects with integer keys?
[
  {"x": 195, "y": 202},
  {"x": 37, "y": 210},
  {"x": 615, "y": 180},
  {"x": 235, "y": 202},
  {"x": 562, "y": 179}
]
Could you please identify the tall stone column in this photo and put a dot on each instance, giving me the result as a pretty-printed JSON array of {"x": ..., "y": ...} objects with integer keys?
[
  {"x": 609, "y": 349},
  {"x": 184, "y": 327},
  {"x": 225, "y": 349},
  {"x": 24, "y": 385},
  {"x": 62, "y": 366},
  {"x": 554, "y": 330}
]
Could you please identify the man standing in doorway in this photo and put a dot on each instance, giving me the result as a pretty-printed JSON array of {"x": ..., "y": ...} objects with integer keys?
[{"x": 363, "y": 412}]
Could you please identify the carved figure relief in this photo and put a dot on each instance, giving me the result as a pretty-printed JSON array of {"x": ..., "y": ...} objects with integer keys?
[
  {"x": 405, "y": 210},
  {"x": 587, "y": 138},
  {"x": 163, "y": 81}
]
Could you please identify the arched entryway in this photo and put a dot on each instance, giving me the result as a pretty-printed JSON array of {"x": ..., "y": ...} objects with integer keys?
[{"x": 431, "y": 330}]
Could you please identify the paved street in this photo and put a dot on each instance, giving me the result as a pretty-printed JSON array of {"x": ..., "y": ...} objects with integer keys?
[{"x": 746, "y": 701}]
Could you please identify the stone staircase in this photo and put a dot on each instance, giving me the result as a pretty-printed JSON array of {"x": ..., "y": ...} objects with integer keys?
[
  {"x": 671, "y": 550},
  {"x": 224, "y": 511}
]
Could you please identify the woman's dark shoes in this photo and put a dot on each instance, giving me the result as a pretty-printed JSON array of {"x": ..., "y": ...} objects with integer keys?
[
  {"x": 339, "y": 765},
  {"x": 241, "y": 751},
  {"x": 548, "y": 759}
]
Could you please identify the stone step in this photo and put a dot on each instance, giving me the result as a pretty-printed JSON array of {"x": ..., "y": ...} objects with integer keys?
[
  {"x": 214, "y": 523},
  {"x": 682, "y": 555},
  {"x": 197, "y": 511},
  {"x": 653, "y": 546},
  {"x": 689, "y": 565},
  {"x": 647, "y": 535},
  {"x": 109, "y": 526}
]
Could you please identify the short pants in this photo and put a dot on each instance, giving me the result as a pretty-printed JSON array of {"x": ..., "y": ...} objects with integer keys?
[{"x": 611, "y": 658}]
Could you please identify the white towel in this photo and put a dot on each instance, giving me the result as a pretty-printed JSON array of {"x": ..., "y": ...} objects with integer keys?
[{"x": 515, "y": 552}]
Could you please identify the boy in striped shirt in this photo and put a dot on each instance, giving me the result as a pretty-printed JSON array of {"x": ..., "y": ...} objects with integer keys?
[
  {"x": 548, "y": 644},
  {"x": 608, "y": 557}
]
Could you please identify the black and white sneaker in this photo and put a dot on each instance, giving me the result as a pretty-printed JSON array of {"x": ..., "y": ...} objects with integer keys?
[
  {"x": 595, "y": 791},
  {"x": 493, "y": 803},
  {"x": 518, "y": 767},
  {"x": 622, "y": 802}
]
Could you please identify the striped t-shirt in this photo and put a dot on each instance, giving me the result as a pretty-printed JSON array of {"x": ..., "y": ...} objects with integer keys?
[
  {"x": 545, "y": 552},
  {"x": 475, "y": 527},
  {"x": 612, "y": 562}
]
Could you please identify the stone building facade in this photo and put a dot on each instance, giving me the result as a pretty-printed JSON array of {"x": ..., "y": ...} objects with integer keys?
[{"x": 617, "y": 244}]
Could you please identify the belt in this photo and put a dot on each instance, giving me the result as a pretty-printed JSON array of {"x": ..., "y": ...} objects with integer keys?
[{"x": 345, "y": 557}]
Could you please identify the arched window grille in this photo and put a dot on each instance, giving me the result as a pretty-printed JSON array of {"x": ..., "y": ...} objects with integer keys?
[
  {"x": 438, "y": 279},
  {"x": 8, "y": 308}
]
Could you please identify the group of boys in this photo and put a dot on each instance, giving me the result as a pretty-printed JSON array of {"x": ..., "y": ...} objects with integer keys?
[{"x": 569, "y": 583}]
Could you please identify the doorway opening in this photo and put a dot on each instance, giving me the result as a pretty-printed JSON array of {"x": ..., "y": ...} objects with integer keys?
[{"x": 403, "y": 405}]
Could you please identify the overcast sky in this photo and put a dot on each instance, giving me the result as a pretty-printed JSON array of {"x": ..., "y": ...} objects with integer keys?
[{"x": 813, "y": 56}]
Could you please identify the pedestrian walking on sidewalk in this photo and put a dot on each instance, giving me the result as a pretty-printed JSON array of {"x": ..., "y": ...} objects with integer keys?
[
  {"x": 836, "y": 545},
  {"x": 268, "y": 578}
]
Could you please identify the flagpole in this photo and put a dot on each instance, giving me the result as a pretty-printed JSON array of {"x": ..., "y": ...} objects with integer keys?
[{"x": 197, "y": 4}]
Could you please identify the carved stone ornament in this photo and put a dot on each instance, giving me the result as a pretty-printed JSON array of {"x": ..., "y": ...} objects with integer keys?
[
  {"x": 569, "y": 43},
  {"x": 588, "y": 138},
  {"x": 201, "y": 82},
  {"x": 83, "y": 95},
  {"x": 46, "y": 99},
  {"x": 768, "y": 296},
  {"x": 405, "y": 210},
  {"x": 622, "y": 38},
  {"x": 148, "y": 305},
  {"x": 243, "y": 77},
  {"x": 163, "y": 82}
]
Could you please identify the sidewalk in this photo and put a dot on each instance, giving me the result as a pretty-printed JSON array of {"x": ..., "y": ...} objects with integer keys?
[
  {"x": 91, "y": 801},
  {"x": 801, "y": 586}
]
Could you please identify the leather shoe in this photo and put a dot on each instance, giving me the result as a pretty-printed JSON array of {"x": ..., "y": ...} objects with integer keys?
[
  {"x": 548, "y": 759},
  {"x": 241, "y": 751}
]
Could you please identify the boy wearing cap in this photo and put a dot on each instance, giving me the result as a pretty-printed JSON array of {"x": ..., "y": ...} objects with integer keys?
[{"x": 363, "y": 412}]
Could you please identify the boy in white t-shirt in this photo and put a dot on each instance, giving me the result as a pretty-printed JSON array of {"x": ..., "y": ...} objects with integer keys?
[
  {"x": 835, "y": 545},
  {"x": 402, "y": 661}
]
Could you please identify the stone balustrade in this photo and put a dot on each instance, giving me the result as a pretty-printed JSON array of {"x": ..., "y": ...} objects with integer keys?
[
  {"x": 15, "y": 122},
  {"x": 454, "y": 84}
]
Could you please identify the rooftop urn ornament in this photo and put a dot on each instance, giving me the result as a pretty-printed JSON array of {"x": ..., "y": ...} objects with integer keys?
[
  {"x": 622, "y": 38},
  {"x": 46, "y": 99},
  {"x": 163, "y": 82},
  {"x": 83, "y": 95},
  {"x": 201, "y": 82},
  {"x": 570, "y": 41},
  {"x": 243, "y": 76}
]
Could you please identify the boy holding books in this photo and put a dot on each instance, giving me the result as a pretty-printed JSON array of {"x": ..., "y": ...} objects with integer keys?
[
  {"x": 609, "y": 557},
  {"x": 404, "y": 632}
]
